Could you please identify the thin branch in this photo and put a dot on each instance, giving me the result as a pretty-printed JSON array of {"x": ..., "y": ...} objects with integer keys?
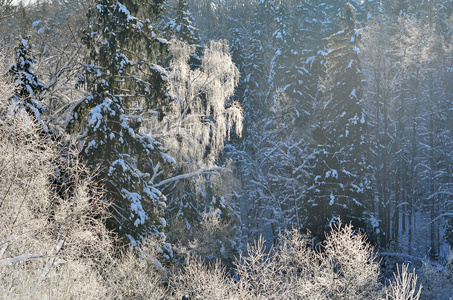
[
  {"x": 213, "y": 171},
  {"x": 23, "y": 257}
]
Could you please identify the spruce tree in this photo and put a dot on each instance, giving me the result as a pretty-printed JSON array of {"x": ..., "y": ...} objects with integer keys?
[
  {"x": 282, "y": 54},
  {"x": 26, "y": 84},
  {"x": 288, "y": 74},
  {"x": 257, "y": 67},
  {"x": 341, "y": 180},
  {"x": 181, "y": 26},
  {"x": 123, "y": 82},
  {"x": 257, "y": 72},
  {"x": 238, "y": 56}
]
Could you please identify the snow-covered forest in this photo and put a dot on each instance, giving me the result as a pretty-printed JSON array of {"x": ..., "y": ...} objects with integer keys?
[{"x": 226, "y": 149}]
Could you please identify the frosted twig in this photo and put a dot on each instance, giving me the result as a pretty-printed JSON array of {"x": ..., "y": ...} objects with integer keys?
[{"x": 23, "y": 257}]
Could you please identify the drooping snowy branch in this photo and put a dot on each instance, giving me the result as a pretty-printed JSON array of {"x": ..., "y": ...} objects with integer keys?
[{"x": 201, "y": 116}]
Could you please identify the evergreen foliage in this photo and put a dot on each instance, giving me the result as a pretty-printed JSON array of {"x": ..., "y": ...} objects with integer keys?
[
  {"x": 256, "y": 68},
  {"x": 341, "y": 180},
  {"x": 181, "y": 26},
  {"x": 26, "y": 84},
  {"x": 122, "y": 83}
]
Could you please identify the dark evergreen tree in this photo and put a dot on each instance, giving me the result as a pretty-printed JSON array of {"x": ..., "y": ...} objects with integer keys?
[
  {"x": 238, "y": 53},
  {"x": 26, "y": 84},
  {"x": 341, "y": 180},
  {"x": 257, "y": 67},
  {"x": 282, "y": 55},
  {"x": 122, "y": 82},
  {"x": 288, "y": 74},
  {"x": 255, "y": 112},
  {"x": 181, "y": 26}
]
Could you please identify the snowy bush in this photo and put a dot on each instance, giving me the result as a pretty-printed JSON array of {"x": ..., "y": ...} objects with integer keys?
[
  {"x": 203, "y": 281},
  {"x": 136, "y": 274},
  {"x": 343, "y": 267},
  {"x": 404, "y": 287},
  {"x": 52, "y": 245},
  {"x": 436, "y": 278}
]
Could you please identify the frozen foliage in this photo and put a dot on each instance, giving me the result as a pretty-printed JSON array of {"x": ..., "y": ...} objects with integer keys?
[
  {"x": 201, "y": 116},
  {"x": 199, "y": 280},
  {"x": 345, "y": 267},
  {"x": 275, "y": 181},
  {"x": 136, "y": 274},
  {"x": 405, "y": 285},
  {"x": 199, "y": 120},
  {"x": 52, "y": 245}
]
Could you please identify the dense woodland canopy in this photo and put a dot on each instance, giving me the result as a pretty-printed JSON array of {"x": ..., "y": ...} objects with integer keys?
[{"x": 198, "y": 127}]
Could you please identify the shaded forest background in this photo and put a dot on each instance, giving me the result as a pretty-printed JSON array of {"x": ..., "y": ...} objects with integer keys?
[
  {"x": 285, "y": 51},
  {"x": 204, "y": 125}
]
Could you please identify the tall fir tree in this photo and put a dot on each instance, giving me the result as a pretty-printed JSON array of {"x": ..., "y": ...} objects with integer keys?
[
  {"x": 255, "y": 111},
  {"x": 257, "y": 67},
  {"x": 341, "y": 180},
  {"x": 282, "y": 54},
  {"x": 237, "y": 55},
  {"x": 123, "y": 82}
]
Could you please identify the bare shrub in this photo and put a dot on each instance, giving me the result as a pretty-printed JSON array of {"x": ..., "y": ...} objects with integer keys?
[
  {"x": 350, "y": 264},
  {"x": 260, "y": 273},
  {"x": 51, "y": 245},
  {"x": 302, "y": 265},
  {"x": 203, "y": 281},
  {"x": 404, "y": 287},
  {"x": 137, "y": 274},
  {"x": 344, "y": 267}
]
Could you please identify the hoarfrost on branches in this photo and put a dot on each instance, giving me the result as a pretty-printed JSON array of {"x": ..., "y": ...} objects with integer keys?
[{"x": 202, "y": 115}]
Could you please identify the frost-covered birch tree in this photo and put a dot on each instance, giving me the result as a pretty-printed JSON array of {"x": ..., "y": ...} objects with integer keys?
[{"x": 199, "y": 120}]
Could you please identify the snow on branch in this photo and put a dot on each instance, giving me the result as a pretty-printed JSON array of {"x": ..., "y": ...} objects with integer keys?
[
  {"x": 202, "y": 114},
  {"x": 23, "y": 257},
  {"x": 212, "y": 171}
]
